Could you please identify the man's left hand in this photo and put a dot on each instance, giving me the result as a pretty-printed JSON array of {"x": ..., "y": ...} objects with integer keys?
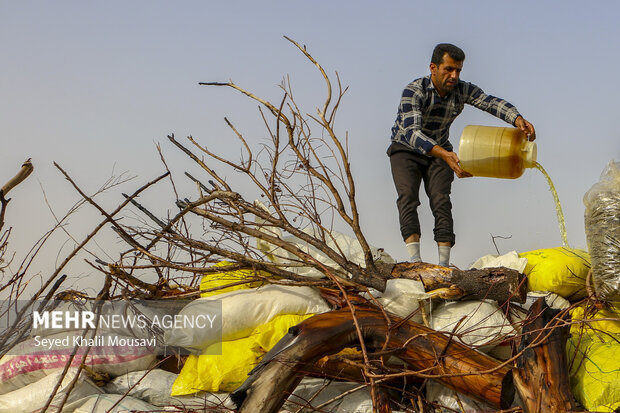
[{"x": 526, "y": 127}]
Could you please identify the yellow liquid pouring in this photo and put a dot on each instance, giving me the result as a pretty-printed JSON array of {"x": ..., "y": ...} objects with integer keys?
[{"x": 558, "y": 207}]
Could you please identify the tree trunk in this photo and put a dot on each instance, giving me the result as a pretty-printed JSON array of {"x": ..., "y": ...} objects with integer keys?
[
  {"x": 455, "y": 365},
  {"x": 541, "y": 376},
  {"x": 500, "y": 284}
]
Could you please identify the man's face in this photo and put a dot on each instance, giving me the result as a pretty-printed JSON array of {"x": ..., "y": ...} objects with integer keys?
[{"x": 446, "y": 75}]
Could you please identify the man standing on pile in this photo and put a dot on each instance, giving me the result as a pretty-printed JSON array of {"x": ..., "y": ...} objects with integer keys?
[{"x": 420, "y": 149}]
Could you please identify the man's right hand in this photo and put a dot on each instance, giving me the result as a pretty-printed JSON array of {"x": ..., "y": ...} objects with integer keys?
[
  {"x": 451, "y": 159},
  {"x": 526, "y": 127}
]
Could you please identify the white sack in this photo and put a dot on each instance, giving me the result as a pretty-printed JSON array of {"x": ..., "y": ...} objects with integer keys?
[
  {"x": 155, "y": 386},
  {"x": 402, "y": 297},
  {"x": 349, "y": 246},
  {"x": 356, "y": 402},
  {"x": 243, "y": 311},
  {"x": 102, "y": 403},
  {"x": 484, "y": 326},
  {"x": 33, "y": 397},
  {"x": 553, "y": 300},
  {"x": 26, "y": 362},
  {"x": 508, "y": 260},
  {"x": 518, "y": 314},
  {"x": 447, "y": 398}
]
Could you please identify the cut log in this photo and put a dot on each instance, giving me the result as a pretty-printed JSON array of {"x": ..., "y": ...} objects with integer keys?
[
  {"x": 500, "y": 284},
  {"x": 455, "y": 365},
  {"x": 541, "y": 376}
]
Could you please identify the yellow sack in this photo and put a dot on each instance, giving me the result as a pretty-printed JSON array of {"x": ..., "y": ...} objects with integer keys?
[
  {"x": 212, "y": 280},
  {"x": 598, "y": 322},
  {"x": 560, "y": 270},
  {"x": 226, "y": 372},
  {"x": 214, "y": 373},
  {"x": 595, "y": 372}
]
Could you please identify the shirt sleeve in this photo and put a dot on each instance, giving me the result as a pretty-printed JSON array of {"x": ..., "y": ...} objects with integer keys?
[
  {"x": 491, "y": 104},
  {"x": 411, "y": 111}
]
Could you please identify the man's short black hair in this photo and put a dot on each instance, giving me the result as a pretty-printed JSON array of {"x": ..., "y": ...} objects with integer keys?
[{"x": 453, "y": 51}]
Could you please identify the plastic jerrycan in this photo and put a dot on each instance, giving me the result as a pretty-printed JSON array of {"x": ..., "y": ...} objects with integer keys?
[{"x": 496, "y": 152}]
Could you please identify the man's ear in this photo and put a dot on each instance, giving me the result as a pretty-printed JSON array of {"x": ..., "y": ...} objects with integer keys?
[{"x": 433, "y": 68}]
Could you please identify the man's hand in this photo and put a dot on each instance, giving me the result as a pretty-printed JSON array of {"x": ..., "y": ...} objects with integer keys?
[
  {"x": 526, "y": 127},
  {"x": 451, "y": 159}
]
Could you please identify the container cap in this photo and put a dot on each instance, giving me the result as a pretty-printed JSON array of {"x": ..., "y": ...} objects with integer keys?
[{"x": 529, "y": 154}]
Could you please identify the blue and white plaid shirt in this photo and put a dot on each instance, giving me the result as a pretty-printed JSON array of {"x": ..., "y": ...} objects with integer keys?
[{"x": 424, "y": 118}]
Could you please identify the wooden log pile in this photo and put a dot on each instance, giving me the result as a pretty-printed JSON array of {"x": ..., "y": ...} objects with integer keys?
[{"x": 538, "y": 375}]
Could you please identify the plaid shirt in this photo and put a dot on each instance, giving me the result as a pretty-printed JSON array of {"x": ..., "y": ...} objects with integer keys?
[{"x": 424, "y": 118}]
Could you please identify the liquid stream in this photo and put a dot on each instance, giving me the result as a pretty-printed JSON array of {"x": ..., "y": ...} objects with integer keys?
[{"x": 558, "y": 207}]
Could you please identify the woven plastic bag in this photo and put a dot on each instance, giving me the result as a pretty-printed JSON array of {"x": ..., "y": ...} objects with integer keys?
[
  {"x": 602, "y": 221},
  {"x": 594, "y": 363},
  {"x": 560, "y": 270},
  {"x": 234, "y": 280},
  {"x": 601, "y": 322},
  {"x": 242, "y": 312},
  {"x": 34, "y": 396},
  {"x": 222, "y": 373},
  {"x": 114, "y": 403}
]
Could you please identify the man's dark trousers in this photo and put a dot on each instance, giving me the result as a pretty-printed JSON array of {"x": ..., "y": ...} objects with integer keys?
[{"x": 409, "y": 170}]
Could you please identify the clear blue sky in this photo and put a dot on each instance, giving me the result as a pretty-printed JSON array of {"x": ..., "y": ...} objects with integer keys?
[{"x": 93, "y": 86}]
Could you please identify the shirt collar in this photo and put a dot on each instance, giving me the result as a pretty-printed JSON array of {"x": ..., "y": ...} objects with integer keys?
[{"x": 430, "y": 85}]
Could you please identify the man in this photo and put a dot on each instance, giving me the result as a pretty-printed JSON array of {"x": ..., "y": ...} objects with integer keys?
[{"x": 421, "y": 152}]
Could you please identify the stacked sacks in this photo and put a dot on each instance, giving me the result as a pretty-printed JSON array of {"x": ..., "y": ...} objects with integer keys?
[
  {"x": 115, "y": 349},
  {"x": 252, "y": 322},
  {"x": 593, "y": 348},
  {"x": 594, "y": 345},
  {"x": 480, "y": 324},
  {"x": 494, "y": 330},
  {"x": 30, "y": 370}
]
